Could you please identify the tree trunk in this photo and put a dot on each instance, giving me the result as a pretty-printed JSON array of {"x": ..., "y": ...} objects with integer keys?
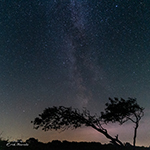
[
  {"x": 115, "y": 141},
  {"x": 135, "y": 134}
]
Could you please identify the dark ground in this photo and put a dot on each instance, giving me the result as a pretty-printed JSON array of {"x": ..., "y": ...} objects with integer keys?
[{"x": 33, "y": 144}]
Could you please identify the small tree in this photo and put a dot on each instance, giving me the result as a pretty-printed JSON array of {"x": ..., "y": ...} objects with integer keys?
[{"x": 123, "y": 110}]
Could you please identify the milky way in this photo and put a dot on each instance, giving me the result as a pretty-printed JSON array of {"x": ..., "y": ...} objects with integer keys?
[{"x": 80, "y": 59}]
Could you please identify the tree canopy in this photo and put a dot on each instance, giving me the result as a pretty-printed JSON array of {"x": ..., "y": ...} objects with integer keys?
[
  {"x": 123, "y": 110},
  {"x": 63, "y": 118}
]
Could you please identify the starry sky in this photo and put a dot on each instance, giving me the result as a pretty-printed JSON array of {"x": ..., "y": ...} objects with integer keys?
[{"x": 73, "y": 53}]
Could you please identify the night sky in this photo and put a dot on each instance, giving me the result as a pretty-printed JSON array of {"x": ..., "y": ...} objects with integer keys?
[{"x": 73, "y": 53}]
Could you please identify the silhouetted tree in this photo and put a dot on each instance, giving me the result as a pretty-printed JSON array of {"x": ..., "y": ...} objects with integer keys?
[
  {"x": 62, "y": 118},
  {"x": 66, "y": 117},
  {"x": 123, "y": 110}
]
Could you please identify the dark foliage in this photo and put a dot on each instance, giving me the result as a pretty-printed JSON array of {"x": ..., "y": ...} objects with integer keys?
[
  {"x": 32, "y": 141},
  {"x": 123, "y": 110},
  {"x": 63, "y": 118}
]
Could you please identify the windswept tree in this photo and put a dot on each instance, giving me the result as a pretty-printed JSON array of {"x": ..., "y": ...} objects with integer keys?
[
  {"x": 62, "y": 118},
  {"x": 122, "y": 111}
]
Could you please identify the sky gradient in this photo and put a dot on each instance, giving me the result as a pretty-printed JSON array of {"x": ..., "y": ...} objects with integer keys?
[{"x": 73, "y": 53}]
